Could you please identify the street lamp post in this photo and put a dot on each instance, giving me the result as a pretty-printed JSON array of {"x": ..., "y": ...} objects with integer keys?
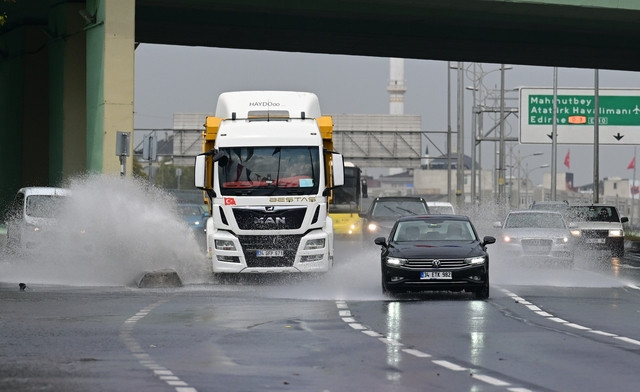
[
  {"x": 520, "y": 160},
  {"x": 478, "y": 108},
  {"x": 527, "y": 172}
]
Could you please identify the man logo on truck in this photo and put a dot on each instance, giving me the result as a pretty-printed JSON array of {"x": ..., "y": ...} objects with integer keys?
[{"x": 261, "y": 221}]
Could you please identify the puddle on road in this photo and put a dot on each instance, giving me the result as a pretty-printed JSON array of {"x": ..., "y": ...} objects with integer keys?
[
  {"x": 132, "y": 228},
  {"x": 114, "y": 230}
]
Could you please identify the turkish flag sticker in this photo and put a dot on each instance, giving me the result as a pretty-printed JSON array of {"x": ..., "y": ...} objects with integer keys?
[{"x": 229, "y": 201}]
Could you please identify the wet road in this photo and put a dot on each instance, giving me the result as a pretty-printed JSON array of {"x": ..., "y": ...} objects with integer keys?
[{"x": 541, "y": 330}]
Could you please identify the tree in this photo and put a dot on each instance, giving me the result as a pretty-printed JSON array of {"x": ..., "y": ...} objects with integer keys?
[{"x": 138, "y": 170}]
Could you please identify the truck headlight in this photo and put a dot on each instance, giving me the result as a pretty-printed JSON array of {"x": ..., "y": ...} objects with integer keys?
[
  {"x": 396, "y": 261},
  {"x": 225, "y": 245},
  {"x": 576, "y": 232},
  {"x": 616, "y": 233},
  {"x": 475, "y": 260},
  {"x": 314, "y": 244},
  {"x": 372, "y": 227}
]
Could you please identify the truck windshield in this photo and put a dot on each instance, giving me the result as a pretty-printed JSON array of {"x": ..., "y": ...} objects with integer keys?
[
  {"x": 260, "y": 171},
  {"x": 347, "y": 197}
]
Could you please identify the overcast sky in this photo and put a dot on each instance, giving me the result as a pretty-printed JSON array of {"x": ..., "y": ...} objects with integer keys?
[{"x": 178, "y": 79}]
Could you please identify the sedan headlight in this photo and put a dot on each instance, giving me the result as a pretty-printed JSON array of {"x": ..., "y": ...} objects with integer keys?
[
  {"x": 616, "y": 233},
  {"x": 576, "y": 232},
  {"x": 225, "y": 245},
  {"x": 506, "y": 238},
  {"x": 314, "y": 244},
  {"x": 475, "y": 260},
  {"x": 372, "y": 227},
  {"x": 396, "y": 261}
]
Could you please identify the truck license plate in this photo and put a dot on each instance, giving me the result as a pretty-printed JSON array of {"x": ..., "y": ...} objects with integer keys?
[
  {"x": 435, "y": 275},
  {"x": 269, "y": 252}
]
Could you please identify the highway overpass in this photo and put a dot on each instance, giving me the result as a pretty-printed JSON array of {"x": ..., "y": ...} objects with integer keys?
[{"x": 67, "y": 67}]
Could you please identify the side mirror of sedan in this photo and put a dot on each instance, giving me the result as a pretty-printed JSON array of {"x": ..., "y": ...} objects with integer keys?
[
  {"x": 488, "y": 240},
  {"x": 380, "y": 241},
  {"x": 497, "y": 225}
]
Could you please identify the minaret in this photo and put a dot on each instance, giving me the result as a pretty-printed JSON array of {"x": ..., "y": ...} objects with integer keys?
[{"x": 396, "y": 87}]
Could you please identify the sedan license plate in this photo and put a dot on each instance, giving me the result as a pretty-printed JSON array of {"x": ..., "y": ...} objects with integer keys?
[
  {"x": 595, "y": 240},
  {"x": 269, "y": 253},
  {"x": 435, "y": 275}
]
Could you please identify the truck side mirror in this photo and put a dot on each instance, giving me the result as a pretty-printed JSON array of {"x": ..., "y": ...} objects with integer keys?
[
  {"x": 337, "y": 163},
  {"x": 200, "y": 171}
]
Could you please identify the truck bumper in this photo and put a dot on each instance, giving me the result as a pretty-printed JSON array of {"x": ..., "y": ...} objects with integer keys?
[{"x": 270, "y": 253}]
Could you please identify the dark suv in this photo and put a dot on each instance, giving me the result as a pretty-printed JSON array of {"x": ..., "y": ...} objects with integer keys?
[
  {"x": 597, "y": 227},
  {"x": 385, "y": 211}
]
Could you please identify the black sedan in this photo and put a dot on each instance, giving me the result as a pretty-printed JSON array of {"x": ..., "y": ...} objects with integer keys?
[{"x": 435, "y": 252}]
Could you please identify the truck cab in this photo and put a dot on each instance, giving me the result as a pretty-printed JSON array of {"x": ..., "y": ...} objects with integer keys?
[{"x": 268, "y": 171}]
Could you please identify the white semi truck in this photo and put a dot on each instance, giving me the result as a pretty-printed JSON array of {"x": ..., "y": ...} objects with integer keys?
[{"x": 268, "y": 170}]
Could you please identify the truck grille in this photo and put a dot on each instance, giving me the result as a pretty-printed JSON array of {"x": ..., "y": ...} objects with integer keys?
[
  {"x": 287, "y": 243},
  {"x": 262, "y": 218}
]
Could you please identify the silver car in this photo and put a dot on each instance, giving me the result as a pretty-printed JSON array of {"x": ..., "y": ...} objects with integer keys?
[{"x": 535, "y": 236}]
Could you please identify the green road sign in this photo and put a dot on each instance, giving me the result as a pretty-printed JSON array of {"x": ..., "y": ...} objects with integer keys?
[
  {"x": 613, "y": 110},
  {"x": 618, "y": 116}
]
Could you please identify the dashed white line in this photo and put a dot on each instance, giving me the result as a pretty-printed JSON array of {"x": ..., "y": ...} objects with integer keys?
[
  {"x": 449, "y": 365},
  {"x": 628, "y": 340},
  {"x": 491, "y": 380},
  {"x": 416, "y": 353},
  {"x": 144, "y": 358},
  {"x": 566, "y": 323}
]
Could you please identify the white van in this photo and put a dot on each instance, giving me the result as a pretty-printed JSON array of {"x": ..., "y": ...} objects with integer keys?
[
  {"x": 33, "y": 215},
  {"x": 441, "y": 207}
]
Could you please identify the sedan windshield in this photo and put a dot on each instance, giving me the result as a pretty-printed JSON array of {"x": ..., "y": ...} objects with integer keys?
[
  {"x": 263, "y": 171},
  {"x": 44, "y": 206},
  {"x": 434, "y": 230},
  {"x": 592, "y": 213},
  {"x": 398, "y": 208},
  {"x": 534, "y": 220}
]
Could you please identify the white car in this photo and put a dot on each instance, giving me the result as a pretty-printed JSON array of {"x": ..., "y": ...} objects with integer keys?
[
  {"x": 33, "y": 216},
  {"x": 531, "y": 236},
  {"x": 441, "y": 207}
]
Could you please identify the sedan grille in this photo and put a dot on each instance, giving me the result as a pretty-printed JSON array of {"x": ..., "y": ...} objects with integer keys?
[
  {"x": 536, "y": 246},
  {"x": 435, "y": 263},
  {"x": 595, "y": 233}
]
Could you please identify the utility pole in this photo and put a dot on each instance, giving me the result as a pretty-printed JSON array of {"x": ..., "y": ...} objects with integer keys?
[
  {"x": 460, "y": 168},
  {"x": 501, "y": 169}
]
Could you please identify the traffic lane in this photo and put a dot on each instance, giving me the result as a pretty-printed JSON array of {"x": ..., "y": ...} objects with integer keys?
[
  {"x": 257, "y": 343},
  {"x": 66, "y": 339},
  {"x": 235, "y": 338},
  {"x": 504, "y": 342}
]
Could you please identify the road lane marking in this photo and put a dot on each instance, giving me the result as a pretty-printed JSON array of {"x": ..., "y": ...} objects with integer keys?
[
  {"x": 416, "y": 353},
  {"x": 491, "y": 380},
  {"x": 161, "y": 372},
  {"x": 566, "y": 323},
  {"x": 350, "y": 321},
  {"x": 449, "y": 365}
]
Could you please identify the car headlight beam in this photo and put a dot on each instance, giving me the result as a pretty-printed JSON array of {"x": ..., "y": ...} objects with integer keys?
[
  {"x": 616, "y": 233},
  {"x": 396, "y": 261},
  {"x": 475, "y": 260}
]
